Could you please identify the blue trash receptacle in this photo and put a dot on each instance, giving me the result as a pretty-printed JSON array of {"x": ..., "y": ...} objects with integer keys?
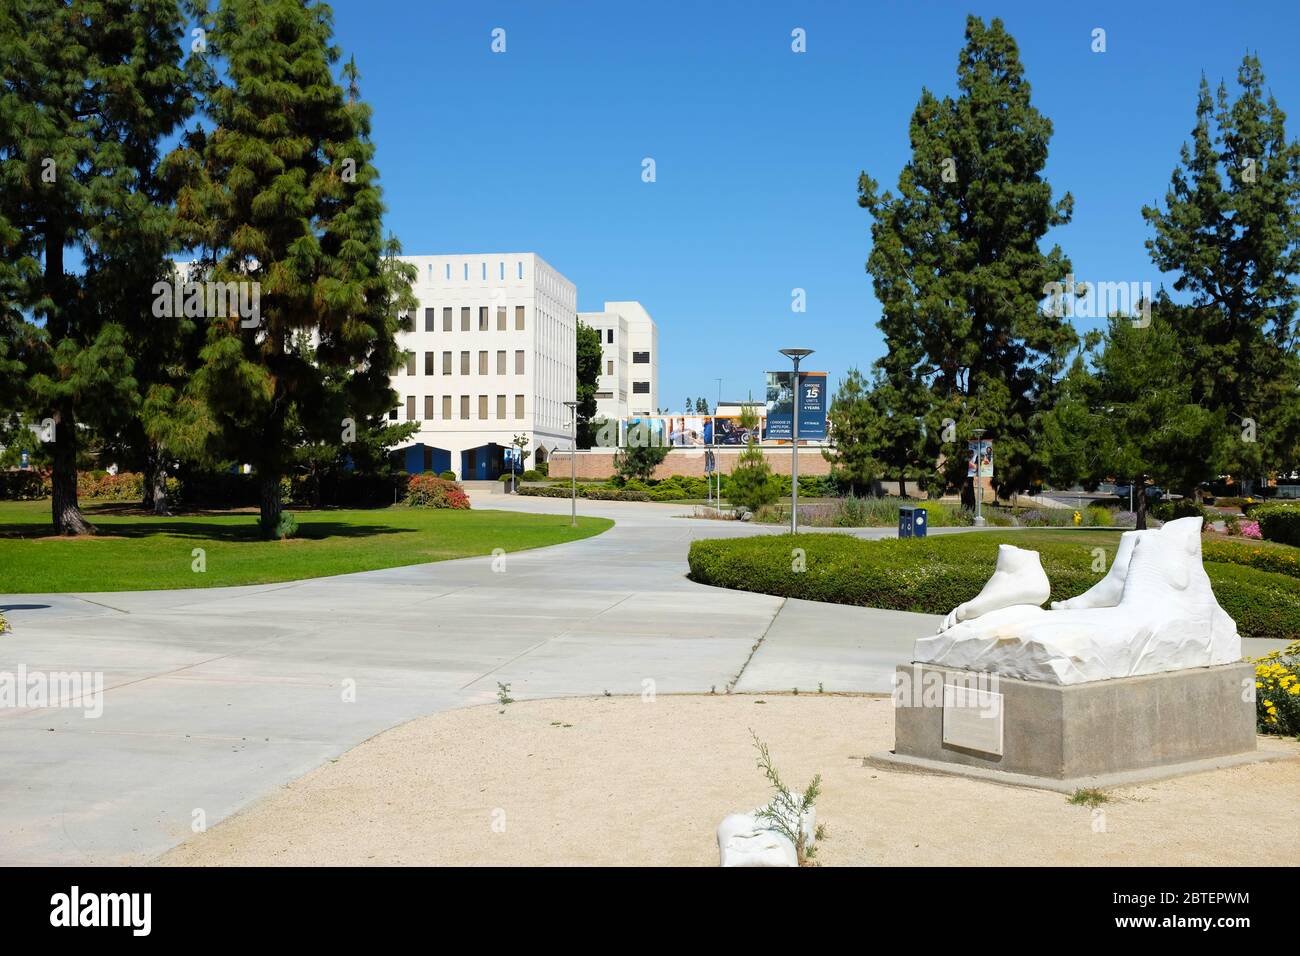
[{"x": 911, "y": 522}]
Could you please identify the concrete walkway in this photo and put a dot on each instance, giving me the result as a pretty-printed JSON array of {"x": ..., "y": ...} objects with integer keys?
[{"x": 216, "y": 697}]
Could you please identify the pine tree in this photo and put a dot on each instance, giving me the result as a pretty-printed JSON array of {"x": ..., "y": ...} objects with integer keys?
[
  {"x": 1230, "y": 229},
  {"x": 854, "y": 429},
  {"x": 957, "y": 267},
  {"x": 281, "y": 194},
  {"x": 88, "y": 89}
]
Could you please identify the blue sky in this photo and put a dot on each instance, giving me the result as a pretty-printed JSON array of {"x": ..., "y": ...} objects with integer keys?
[{"x": 758, "y": 149}]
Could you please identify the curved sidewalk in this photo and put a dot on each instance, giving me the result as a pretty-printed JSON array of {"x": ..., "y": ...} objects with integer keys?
[{"x": 215, "y": 697}]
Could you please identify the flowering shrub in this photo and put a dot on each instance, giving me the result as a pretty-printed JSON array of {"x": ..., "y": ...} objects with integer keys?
[
  {"x": 4, "y": 625},
  {"x": 430, "y": 491},
  {"x": 1264, "y": 558},
  {"x": 1277, "y": 691},
  {"x": 1250, "y": 529},
  {"x": 101, "y": 486}
]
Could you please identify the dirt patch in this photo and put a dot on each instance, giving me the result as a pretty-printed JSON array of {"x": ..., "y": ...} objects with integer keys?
[{"x": 614, "y": 780}]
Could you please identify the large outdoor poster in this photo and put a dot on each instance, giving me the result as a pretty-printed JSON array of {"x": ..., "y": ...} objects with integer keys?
[
  {"x": 980, "y": 464},
  {"x": 780, "y": 406}
]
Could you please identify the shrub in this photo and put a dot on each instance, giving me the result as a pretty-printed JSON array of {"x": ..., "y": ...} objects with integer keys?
[
  {"x": 934, "y": 575},
  {"x": 1277, "y": 691},
  {"x": 1182, "y": 508},
  {"x": 101, "y": 486},
  {"x": 543, "y": 468},
  {"x": 4, "y": 625},
  {"x": 447, "y": 475},
  {"x": 1279, "y": 523},
  {"x": 30, "y": 485},
  {"x": 1273, "y": 558},
  {"x": 532, "y": 474},
  {"x": 287, "y": 526},
  {"x": 429, "y": 491}
]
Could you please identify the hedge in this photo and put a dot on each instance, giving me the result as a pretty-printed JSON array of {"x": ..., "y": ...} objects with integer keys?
[
  {"x": 1279, "y": 523},
  {"x": 594, "y": 492},
  {"x": 934, "y": 575}
]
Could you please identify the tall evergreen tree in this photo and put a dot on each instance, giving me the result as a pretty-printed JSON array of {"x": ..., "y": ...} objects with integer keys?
[
  {"x": 1230, "y": 229},
  {"x": 281, "y": 193},
  {"x": 957, "y": 267},
  {"x": 88, "y": 88}
]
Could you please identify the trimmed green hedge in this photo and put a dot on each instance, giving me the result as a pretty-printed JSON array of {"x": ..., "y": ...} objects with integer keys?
[
  {"x": 1279, "y": 523},
  {"x": 934, "y": 575}
]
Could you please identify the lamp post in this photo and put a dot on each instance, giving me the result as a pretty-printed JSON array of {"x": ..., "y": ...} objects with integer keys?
[
  {"x": 795, "y": 355},
  {"x": 979, "y": 489},
  {"x": 573, "y": 458}
]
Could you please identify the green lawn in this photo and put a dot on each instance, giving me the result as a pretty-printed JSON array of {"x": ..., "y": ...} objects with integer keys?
[
  {"x": 1255, "y": 582},
  {"x": 135, "y": 552}
]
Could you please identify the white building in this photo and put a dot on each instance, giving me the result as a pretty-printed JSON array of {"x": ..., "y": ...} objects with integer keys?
[
  {"x": 629, "y": 362},
  {"x": 491, "y": 356}
]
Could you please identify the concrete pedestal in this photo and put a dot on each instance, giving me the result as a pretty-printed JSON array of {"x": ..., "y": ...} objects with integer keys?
[{"x": 1063, "y": 737}]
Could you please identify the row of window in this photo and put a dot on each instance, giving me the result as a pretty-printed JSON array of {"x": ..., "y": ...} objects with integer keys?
[
  {"x": 430, "y": 363},
  {"x": 465, "y": 404},
  {"x": 501, "y": 271},
  {"x": 466, "y": 319}
]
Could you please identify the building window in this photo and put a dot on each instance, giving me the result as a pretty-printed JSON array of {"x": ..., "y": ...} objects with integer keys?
[
  {"x": 410, "y": 363},
  {"x": 482, "y": 363},
  {"x": 521, "y": 268},
  {"x": 502, "y": 264},
  {"x": 519, "y": 407},
  {"x": 501, "y": 318},
  {"x": 410, "y": 408},
  {"x": 640, "y": 388},
  {"x": 446, "y": 363},
  {"x": 429, "y": 273},
  {"x": 604, "y": 394},
  {"x": 392, "y": 415},
  {"x": 501, "y": 407},
  {"x": 464, "y": 363},
  {"x": 446, "y": 319},
  {"x": 446, "y": 405},
  {"x": 464, "y": 403},
  {"x": 501, "y": 362},
  {"x": 482, "y": 318},
  {"x": 464, "y": 319},
  {"x": 640, "y": 358},
  {"x": 519, "y": 318},
  {"x": 449, "y": 272},
  {"x": 467, "y": 272},
  {"x": 485, "y": 272},
  {"x": 429, "y": 319},
  {"x": 428, "y": 363},
  {"x": 428, "y": 408},
  {"x": 519, "y": 362},
  {"x": 609, "y": 366},
  {"x": 609, "y": 336},
  {"x": 482, "y": 403}
]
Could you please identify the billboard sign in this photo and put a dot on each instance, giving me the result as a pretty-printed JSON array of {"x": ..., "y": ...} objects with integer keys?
[
  {"x": 980, "y": 463},
  {"x": 780, "y": 406}
]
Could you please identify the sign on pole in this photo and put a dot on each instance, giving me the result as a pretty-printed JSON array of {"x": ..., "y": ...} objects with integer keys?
[
  {"x": 980, "y": 464},
  {"x": 780, "y": 406}
]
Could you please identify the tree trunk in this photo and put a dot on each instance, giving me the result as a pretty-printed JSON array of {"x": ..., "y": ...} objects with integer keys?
[
  {"x": 159, "y": 490},
  {"x": 147, "y": 487},
  {"x": 902, "y": 486},
  {"x": 968, "y": 494},
  {"x": 1140, "y": 502},
  {"x": 269, "y": 486},
  {"x": 64, "y": 511}
]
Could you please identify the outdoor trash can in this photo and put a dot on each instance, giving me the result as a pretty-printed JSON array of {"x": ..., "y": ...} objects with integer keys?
[{"x": 911, "y": 522}]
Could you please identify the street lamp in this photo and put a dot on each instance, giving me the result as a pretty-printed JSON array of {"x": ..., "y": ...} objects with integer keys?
[
  {"x": 979, "y": 489},
  {"x": 573, "y": 457},
  {"x": 795, "y": 355}
]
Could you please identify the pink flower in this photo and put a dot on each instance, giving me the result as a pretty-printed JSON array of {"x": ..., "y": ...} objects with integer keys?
[{"x": 1250, "y": 529}]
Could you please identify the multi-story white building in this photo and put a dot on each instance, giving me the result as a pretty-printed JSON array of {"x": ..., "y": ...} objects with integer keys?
[
  {"x": 629, "y": 362},
  {"x": 491, "y": 355}
]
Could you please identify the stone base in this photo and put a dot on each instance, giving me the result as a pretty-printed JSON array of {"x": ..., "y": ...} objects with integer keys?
[{"x": 1101, "y": 733}]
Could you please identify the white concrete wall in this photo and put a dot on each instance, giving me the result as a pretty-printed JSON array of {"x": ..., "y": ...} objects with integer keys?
[{"x": 548, "y": 341}]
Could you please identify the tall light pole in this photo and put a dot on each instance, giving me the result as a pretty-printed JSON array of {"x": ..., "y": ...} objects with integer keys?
[
  {"x": 573, "y": 458},
  {"x": 795, "y": 355},
  {"x": 979, "y": 489}
]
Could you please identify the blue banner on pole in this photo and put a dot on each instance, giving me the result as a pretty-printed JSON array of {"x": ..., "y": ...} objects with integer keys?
[{"x": 780, "y": 406}]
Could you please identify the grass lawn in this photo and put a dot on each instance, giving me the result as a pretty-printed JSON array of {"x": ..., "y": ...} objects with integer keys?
[
  {"x": 136, "y": 552},
  {"x": 1255, "y": 582}
]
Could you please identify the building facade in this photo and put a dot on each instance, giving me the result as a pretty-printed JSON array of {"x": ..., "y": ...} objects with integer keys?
[
  {"x": 629, "y": 362},
  {"x": 491, "y": 355}
]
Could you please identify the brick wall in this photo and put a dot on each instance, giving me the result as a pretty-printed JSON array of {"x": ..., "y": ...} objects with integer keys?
[{"x": 599, "y": 462}]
